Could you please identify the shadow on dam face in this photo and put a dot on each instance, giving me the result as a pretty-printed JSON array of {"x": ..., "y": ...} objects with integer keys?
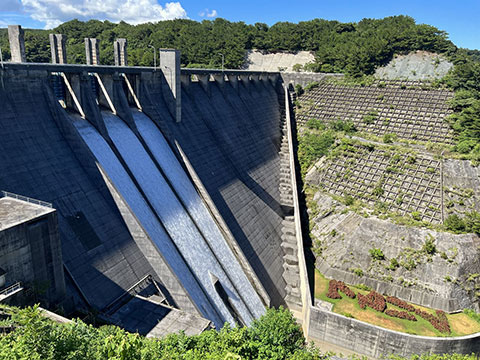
[
  {"x": 230, "y": 136},
  {"x": 234, "y": 150},
  {"x": 38, "y": 161}
]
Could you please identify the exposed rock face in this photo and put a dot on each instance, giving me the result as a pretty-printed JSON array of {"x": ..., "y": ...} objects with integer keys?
[
  {"x": 279, "y": 61},
  {"x": 446, "y": 278},
  {"x": 419, "y": 65}
]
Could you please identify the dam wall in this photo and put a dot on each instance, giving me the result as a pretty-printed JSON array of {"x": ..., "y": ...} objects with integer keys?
[
  {"x": 230, "y": 134},
  {"x": 194, "y": 203},
  {"x": 38, "y": 161}
]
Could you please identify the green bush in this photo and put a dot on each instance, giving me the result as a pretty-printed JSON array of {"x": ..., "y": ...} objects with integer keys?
[
  {"x": 312, "y": 85},
  {"x": 358, "y": 272},
  {"x": 389, "y": 138},
  {"x": 348, "y": 200},
  {"x": 299, "y": 90},
  {"x": 377, "y": 254},
  {"x": 312, "y": 146},
  {"x": 393, "y": 264},
  {"x": 341, "y": 125},
  {"x": 454, "y": 223},
  {"x": 275, "y": 335},
  {"x": 429, "y": 246},
  {"x": 315, "y": 124},
  {"x": 416, "y": 215}
]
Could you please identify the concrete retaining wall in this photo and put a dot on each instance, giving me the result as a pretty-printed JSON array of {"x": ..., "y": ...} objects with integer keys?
[
  {"x": 375, "y": 341},
  {"x": 305, "y": 78},
  {"x": 415, "y": 296}
]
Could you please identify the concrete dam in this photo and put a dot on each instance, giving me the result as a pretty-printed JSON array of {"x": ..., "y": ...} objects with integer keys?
[{"x": 165, "y": 179}]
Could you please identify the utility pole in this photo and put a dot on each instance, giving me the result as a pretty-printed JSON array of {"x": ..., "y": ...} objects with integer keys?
[
  {"x": 154, "y": 56},
  {"x": 223, "y": 59}
]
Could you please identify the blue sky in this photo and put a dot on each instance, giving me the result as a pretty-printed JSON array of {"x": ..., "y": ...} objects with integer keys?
[{"x": 459, "y": 18}]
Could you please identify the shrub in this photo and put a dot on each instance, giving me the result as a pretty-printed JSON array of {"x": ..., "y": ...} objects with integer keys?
[
  {"x": 373, "y": 299},
  {"x": 411, "y": 159},
  {"x": 429, "y": 246},
  {"x": 400, "y": 314},
  {"x": 358, "y": 272},
  {"x": 472, "y": 222},
  {"x": 312, "y": 85},
  {"x": 297, "y": 67},
  {"x": 341, "y": 125},
  {"x": 454, "y": 223},
  {"x": 348, "y": 200},
  {"x": 400, "y": 303},
  {"x": 335, "y": 286},
  {"x": 299, "y": 90},
  {"x": 416, "y": 216},
  {"x": 393, "y": 264},
  {"x": 377, "y": 254},
  {"x": 389, "y": 138},
  {"x": 315, "y": 124},
  {"x": 378, "y": 190}
]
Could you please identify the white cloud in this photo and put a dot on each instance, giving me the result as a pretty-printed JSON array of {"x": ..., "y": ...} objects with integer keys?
[
  {"x": 208, "y": 13},
  {"x": 55, "y": 12},
  {"x": 212, "y": 14}
]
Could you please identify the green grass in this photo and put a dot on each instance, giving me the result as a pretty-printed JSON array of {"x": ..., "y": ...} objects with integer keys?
[{"x": 461, "y": 324}]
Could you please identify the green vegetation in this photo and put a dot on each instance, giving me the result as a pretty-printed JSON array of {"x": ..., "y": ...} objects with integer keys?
[
  {"x": 370, "y": 117},
  {"x": 274, "y": 336},
  {"x": 312, "y": 146},
  {"x": 389, "y": 138},
  {"x": 470, "y": 223},
  {"x": 353, "y": 48},
  {"x": 377, "y": 254},
  {"x": 429, "y": 246},
  {"x": 465, "y": 121}
]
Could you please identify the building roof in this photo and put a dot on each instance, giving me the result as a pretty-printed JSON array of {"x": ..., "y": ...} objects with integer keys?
[{"x": 14, "y": 211}]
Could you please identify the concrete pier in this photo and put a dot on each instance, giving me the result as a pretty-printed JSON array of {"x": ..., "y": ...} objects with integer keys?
[
  {"x": 57, "y": 47},
  {"x": 17, "y": 43},
  {"x": 120, "y": 52},
  {"x": 170, "y": 65},
  {"x": 92, "y": 52}
]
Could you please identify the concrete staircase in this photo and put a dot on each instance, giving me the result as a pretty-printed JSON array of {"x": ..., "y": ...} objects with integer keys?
[{"x": 289, "y": 240}]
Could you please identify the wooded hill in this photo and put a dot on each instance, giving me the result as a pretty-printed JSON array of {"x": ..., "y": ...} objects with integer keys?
[{"x": 353, "y": 48}]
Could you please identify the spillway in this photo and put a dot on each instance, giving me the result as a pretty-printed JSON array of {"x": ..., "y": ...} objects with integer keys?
[
  {"x": 179, "y": 224},
  {"x": 196, "y": 208},
  {"x": 122, "y": 181}
]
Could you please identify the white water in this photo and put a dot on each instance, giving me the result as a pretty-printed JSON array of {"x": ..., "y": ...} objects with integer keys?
[
  {"x": 176, "y": 220},
  {"x": 124, "y": 184},
  {"x": 196, "y": 208}
]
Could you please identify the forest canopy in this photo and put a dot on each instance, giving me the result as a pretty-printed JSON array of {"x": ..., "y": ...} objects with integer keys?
[{"x": 353, "y": 48}]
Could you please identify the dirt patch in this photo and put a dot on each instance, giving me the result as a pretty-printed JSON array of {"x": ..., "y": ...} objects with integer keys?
[
  {"x": 462, "y": 324},
  {"x": 367, "y": 316}
]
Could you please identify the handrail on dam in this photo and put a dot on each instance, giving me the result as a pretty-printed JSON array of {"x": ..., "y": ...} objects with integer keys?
[
  {"x": 25, "y": 198},
  {"x": 107, "y": 69}
]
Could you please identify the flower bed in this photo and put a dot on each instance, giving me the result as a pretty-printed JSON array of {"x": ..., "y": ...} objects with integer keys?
[
  {"x": 374, "y": 300},
  {"x": 378, "y": 302},
  {"x": 400, "y": 314},
  {"x": 335, "y": 286}
]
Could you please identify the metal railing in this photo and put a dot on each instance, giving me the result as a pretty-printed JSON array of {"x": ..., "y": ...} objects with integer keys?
[
  {"x": 25, "y": 198},
  {"x": 9, "y": 290}
]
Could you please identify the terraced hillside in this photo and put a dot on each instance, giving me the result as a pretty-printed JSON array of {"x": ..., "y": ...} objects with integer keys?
[
  {"x": 404, "y": 182},
  {"x": 409, "y": 109},
  {"x": 388, "y": 213}
]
